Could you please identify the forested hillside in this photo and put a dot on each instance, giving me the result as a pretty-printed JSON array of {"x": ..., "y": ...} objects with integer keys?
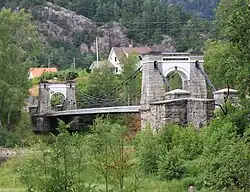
[
  {"x": 153, "y": 23},
  {"x": 204, "y": 8}
]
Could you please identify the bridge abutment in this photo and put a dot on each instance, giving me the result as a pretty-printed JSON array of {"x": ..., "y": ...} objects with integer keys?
[{"x": 187, "y": 106}]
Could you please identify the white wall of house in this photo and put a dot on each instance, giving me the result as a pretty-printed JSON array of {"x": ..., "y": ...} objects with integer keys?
[
  {"x": 30, "y": 76},
  {"x": 114, "y": 60}
]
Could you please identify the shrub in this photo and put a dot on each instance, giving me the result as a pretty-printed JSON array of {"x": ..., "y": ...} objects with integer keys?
[
  {"x": 225, "y": 162},
  {"x": 111, "y": 156},
  {"x": 165, "y": 153},
  {"x": 170, "y": 164},
  {"x": 9, "y": 139},
  {"x": 21, "y": 135},
  {"x": 229, "y": 170},
  {"x": 147, "y": 151},
  {"x": 58, "y": 167}
]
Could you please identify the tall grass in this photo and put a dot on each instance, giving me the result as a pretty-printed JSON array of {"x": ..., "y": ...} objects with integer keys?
[{"x": 9, "y": 177}]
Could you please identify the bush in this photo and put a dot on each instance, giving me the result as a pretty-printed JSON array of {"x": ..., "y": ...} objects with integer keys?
[
  {"x": 111, "y": 156},
  {"x": 147, "y": 151},
  {"x": 166, "y": 152},
  {"x": 61, "y": 75},
  {"x": 170, "y": 164},
  {"x": 225, "y": 162},
  {"x": 58, "y": 167},
  {"x": 21, "y": 135},
  {"x": 10, "y": 139}
]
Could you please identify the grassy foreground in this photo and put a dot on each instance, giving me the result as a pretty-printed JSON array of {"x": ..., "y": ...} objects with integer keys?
[{"x": 10, "y": 181}]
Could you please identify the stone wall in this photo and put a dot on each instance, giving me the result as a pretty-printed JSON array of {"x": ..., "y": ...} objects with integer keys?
[
  {"x": 44, "y": 104},
  {"x": 197, "y": 84},
  {"x": 200, "y": 111},
  {"x": 221, "y": 95},
  {"x": 152, "y": 86},
  {"x": 182, "y": 111}
]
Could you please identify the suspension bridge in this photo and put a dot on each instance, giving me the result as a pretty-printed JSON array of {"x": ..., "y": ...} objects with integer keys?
[{"x": 156, "y": 102}]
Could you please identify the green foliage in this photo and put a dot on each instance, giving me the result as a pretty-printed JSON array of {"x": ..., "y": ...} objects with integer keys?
[
  {"x": 133, "y": 87},
  {"x": 98, "y": 84},
  {"x": 204, "y": 8},
  {"x": 224, "y": 164},
  {"x": 111, "y": 156},
  {"x": 147, "y": 151},
  {"x": 60, "y": 75},
  {"x": 61, "y": 55},
  {"x": 18, "y": 48},
  {"x": 57, "y": 99},
  {"x": 166, "y": 152},
  {"x": 57, "y": 167},
  {"x": 9, "y": 139},
  {"x": 21, "y": 136},
  {"x": 220, "y": 63},
  {"x": 170, "y": 164},
  {"x": 215, "y": 158},
  {"x": 174, "y": 80},
  {"x": 228, "y": 59}
]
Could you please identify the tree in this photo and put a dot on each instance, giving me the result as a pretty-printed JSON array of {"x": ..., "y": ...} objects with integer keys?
[
  {"x": 230, "y": 56},
  {"x": 132, "y": 88},
  {"x": 111, "y": 157},
  {"x": 19, "y": 47},
  {"x": 59, "y": 166},
  {"x": 224, "y": 164},
  {"x": 100, "y": 85}
]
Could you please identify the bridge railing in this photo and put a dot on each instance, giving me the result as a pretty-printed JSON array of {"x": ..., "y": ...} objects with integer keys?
[{"x": 109, "y": 103}]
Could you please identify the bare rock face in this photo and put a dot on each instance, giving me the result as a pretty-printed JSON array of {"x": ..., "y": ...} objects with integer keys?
[
  {"x": 112, "y": 35},
  {"x": 60, "y": 23},
  {"x": 57, "y": 23}
]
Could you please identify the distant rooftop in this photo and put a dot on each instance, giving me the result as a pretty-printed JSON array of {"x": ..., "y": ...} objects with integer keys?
[
  {"x": 121, "y": 51},
  {"x": 37, "y": 72}
]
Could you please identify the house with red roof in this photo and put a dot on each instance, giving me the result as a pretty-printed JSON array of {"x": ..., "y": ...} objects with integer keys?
[
  {"x": 38, "y": 72},
  {"x": 117, "y": 53}
]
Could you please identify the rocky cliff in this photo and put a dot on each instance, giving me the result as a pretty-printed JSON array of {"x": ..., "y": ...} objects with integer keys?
[{"x": 57, "y": 23}]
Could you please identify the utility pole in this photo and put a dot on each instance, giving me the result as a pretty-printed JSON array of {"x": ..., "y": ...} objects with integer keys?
[
  {"x": 49, "y": 62},
  {"x": 74, "y": 63},
  {"x": 97, "y": 54}
]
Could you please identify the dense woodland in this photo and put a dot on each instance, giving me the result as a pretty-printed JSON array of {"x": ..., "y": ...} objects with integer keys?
[{"x": 203, "y": 8}]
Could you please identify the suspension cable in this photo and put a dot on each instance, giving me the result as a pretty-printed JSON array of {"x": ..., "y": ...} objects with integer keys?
[{"x": 197, "y": 65}]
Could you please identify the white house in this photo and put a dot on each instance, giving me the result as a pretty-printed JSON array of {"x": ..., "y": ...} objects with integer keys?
[{"x": 117, "y": 53}]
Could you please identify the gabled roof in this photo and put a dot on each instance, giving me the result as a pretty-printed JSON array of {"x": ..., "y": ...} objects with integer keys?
[
  {"x": 121, "y": 51},
  {"x": 102, "y": 64},
  {"x": 138, "y": 50},
  {"x": 37, "y": 72}
]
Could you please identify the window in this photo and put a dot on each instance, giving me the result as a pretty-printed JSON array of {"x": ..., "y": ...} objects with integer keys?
[
  {"x": 115, "y": 59},
  {"x": 116, "y": 70}
]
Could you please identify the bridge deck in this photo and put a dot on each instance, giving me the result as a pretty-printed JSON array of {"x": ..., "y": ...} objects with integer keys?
[{"x": 102, "y": 110}]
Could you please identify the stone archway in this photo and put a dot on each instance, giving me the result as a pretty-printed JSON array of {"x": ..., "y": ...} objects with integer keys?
[
  {"x": 57, "y": 98},
  {"x": 65, "y": 92},
  {"x": 182, "y": 74}
]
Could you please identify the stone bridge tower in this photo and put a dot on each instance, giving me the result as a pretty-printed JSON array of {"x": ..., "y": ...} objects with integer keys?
[
  {"x": 189, "y": 105},
  {"x": 46, "y": 91}
]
